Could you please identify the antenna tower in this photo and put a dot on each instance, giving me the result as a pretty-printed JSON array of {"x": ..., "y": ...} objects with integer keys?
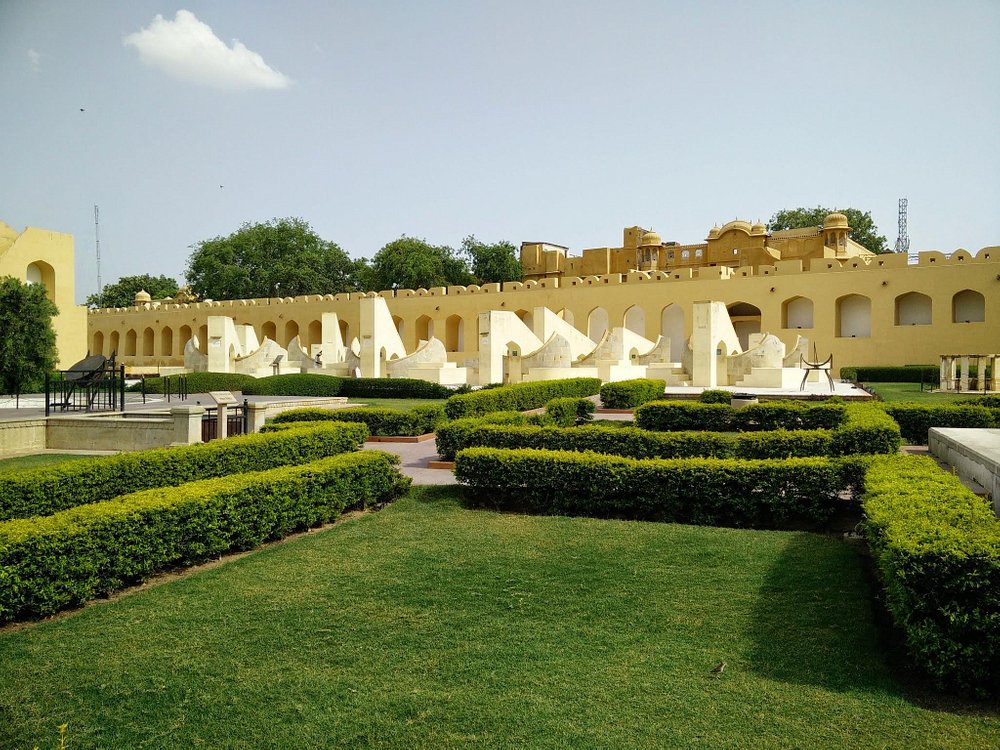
[
  {"x": 903, "y": 239},
  {"x": 97, "y": 242}
]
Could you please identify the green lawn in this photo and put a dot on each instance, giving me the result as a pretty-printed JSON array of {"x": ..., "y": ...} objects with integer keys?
[
  {"x": 397, "y": 403},
  {"x": 431, "y": 626},
  {"x": 912, "y": 392},
  {"x": 19, "y": 463}
]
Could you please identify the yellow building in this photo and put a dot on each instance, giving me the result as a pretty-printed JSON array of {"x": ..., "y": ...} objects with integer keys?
[
  {"x": 39, "y": 256},
  {"x": 865, "y": 309}
]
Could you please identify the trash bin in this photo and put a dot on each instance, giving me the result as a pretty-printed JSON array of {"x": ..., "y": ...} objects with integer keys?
[{"x": 742, "y": 400}]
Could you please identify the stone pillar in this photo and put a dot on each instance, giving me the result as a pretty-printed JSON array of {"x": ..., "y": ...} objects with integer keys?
[
  {"x": 994, "y": 384},
  {"x": 257, "y": 414},
  {"x": 963, "y": 375},
  {"x": 187, "y": 424},
  {"x": 945, "y": 381}
]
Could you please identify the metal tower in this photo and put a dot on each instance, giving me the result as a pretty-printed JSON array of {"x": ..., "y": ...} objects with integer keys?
[
  {"x": 97, "y": 242},
  {"x": 903, "y": 240}
]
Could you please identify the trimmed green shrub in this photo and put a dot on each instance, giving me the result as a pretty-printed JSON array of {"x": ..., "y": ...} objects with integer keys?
[
  {"x": 417, "y": 421},
  {"x": 628, "y": 394},
  {"x": 49, "y": 489},
  {"x": 567, "y": 412},
  {"x": 760, "y": 494},
  {"x": 915, "y": 419},
  {"x": 65, "y": 559},
  {"x": 392, "y": 388},
  {"x": 715, "y": 396},
  {"x": 199, "y": 382},
  {"x": 682, "y": 416},
  {"x": 866, "y": 429},
  {"x": 772, "y": 415},
  {"x": 990, "y": 401},
  {"x": 518, "y": 397},
  {"x": 937, "y": 547},
  {"x": 450, "y": 437},
  {"x": 892, "y": 374},
  {"x": 299, "y": 384}
]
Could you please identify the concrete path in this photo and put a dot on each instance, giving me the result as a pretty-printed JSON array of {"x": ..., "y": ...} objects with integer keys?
[{"x": 414, "y": 461}]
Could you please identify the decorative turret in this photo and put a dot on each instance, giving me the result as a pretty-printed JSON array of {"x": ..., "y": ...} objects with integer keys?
[
  {"x": 142, "y": 298},
  {"x": 835, "y": 231},
  {"x": 648, "y": 254}
]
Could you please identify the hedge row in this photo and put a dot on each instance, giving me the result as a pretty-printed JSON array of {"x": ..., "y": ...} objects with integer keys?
[
  {"x": 895, "y": 374},
  {"x": 762, "y": 494},
  {"x": 772, "y": 415},
  {"x": 417, "y": 421},
  {"x": 393, "y": 388},
  {"x": 198, "y": 382},
  {"x": 937, "y": 546},
  {"x": 58, "y": 561},
  {"x": 867, "y": 430},
  {"x": 915, "y": 419},
  {"x": 518, "y": 397},
  {"x": 49, "y": 489},
  {"x": 298, "y": 384},
  {"x": 304, "y": 384},
  {"x": 569, "y": 411},
  {"x": 628, "y": 394}
]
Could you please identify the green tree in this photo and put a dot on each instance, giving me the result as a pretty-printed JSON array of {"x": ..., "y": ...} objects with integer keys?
[
  {"x": 27, "y": 340},
  {"x": 492, "y": 263},
  {"x": 863, "y": 229},
  {"x": 122, "y": 292},
  {"x": 280, "y": 257},
  {"x": 411, "y": 263}
]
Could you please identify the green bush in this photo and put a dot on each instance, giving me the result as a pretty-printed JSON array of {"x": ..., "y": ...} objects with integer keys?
[
  {"x": 915, "y": 419},
  {"x": 772, "y": 415},
  {"x": 199, "y": 382},
  {"x": 58, "y": 561},
  {"x": 715, "y": 396},
  {"x": 760, "y": 494},
  {"x": 990, "y": 401},
  {"x": 893, "y": 374},
  {"x": 567, "y": 412},
  {"x": 866, "y": 429},
  {"x": 518, "y": 397},
  {"x": 450, "y": 437},
  {"x": 49, "y": 489},
  {"x": 383, "y": 422},
  {"x": 937, "y": 547},
  {"x": 392, "y": 388},
  {"x": 300, "y": 384},
  {"x": 628, "y": 394}
]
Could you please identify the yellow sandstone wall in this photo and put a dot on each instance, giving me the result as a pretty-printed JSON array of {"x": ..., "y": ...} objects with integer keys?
[{"x": 42, "y": 256}]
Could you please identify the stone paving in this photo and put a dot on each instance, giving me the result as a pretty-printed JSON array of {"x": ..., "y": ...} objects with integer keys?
[{"x": 414, "y": 461}]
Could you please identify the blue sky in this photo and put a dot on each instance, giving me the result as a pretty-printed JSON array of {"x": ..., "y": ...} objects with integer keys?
[{"x": 554, "y": 121}]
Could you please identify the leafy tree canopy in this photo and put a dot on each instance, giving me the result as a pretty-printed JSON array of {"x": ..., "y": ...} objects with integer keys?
[
  {"x": 863, "y": 229},
  {"x": 280, "y": 257},
  {"x": 492, "y": 263},
  {"x": 122, "y": 292},
  {"x": 27, "y": 340},
  {"x": 411, "y": 263}
]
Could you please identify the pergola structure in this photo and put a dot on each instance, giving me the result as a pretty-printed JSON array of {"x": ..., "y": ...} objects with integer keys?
[{"x": 956, "y": 372}]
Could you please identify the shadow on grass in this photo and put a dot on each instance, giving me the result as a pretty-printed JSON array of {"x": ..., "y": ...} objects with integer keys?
[
  {"x": 813, "y": 622},
  {"x": 440, "y": 494}
]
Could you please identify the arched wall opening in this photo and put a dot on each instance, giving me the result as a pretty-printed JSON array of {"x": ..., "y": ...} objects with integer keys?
[
  {"x": 527, "y": 318},
  {"x": 98, "y": 343},
  {"x": 113, "y": 344},
  {"x": 167, "y": 342},
  {"x": 913, "y": 309},
  {"x": 203, "y": 339},
  {"x": 315, "y": 333},
  {"x": 269, "y": 330},
  {"x": 40, "y": 272},
  {"x": 398, "y": 322},
  {"x": 597, "y": 324},
  {"x": 424, "y": 328},
  {"x": 185, "y": 336},
  {"x": 635, "y": 320},
  {"x": 130, "y": 339},
  {"x": 672, "y": 327},
  {"x": 797, "y": 312},
  {"x": 968, "y": 306},
  {"x": 148, "y": 339},
  {"x": 567, "y": 315},
  {"x": 291, "y": 331},
  {"x": 454, "y": 334},
  {"x": 853, "y": 317},
  {"x": 746, "y": 320}
]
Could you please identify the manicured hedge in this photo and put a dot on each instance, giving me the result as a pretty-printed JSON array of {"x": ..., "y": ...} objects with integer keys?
[
  {"x": 518, "y": 397},
  {"x": 628, "y": 394},
  {"x": 866, "y": 429},
  {"x": 763, "y": 494},
  {"x": 567, "y": 412},
  {"x": 199, "y": 382},
  {"x": 771, "y": 415},
  {"x": 299, "y": 384},
  {"x": 417, "y": 421},
  {"x": 48, "y": 489},
  {"x": 937, "y": 546},
  {"x": 393, "y": 388},
  {"x": 895, "y": 374},
  {"x": 715, "y": 396},
  {"x": 915, "y": 419},
  {"x": 58, "y": 561}
]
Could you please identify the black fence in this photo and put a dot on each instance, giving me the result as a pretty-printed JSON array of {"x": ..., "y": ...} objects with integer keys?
[
  {"x": 237, "y": 421},
  {"x": 99, "y": 389}
]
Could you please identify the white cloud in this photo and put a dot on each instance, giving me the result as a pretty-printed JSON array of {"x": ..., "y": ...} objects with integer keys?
[
  {"x": 187, "y": 48},
  {"x": 35, "y": 59}
]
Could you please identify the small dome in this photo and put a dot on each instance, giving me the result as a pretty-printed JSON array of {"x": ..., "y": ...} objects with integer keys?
[
  {"x": 758, "y": 229},
  {"x": 142, "y": 296},
  {"x": 836, "y": 221},
  {"x": 649, "y": 239},
  {"x": 713, "y": 233}
]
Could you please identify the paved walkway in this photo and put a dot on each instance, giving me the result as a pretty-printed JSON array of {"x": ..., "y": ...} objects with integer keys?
[{"x": 414, "y": 461}]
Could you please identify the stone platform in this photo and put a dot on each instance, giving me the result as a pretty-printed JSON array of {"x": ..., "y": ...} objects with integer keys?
[{"x": 975, "y": 455}]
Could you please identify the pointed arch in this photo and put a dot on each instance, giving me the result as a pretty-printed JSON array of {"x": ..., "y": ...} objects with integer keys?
[
  {"x": 913, "y": 309},
  {"x": 269, "y": 330},
  {"x": 454, "y": 336},
  {"x": 746, "y": 320},
  {"x": 797, "y": 312},
  {"x": 98, "y": 343},
  {"x": 130, "y": 340},
  {"x": 291, "y": 331},
  {"x": 203, "y": 339},
  {"x": 635, "y": 320},
  {"x": 148, "y": 339},
  {"x": 968, "y": 306},
  {"x": 314, "y": 333},
  {"x": 185, "y": 336},
  {"x": 167, "y": 341},
  {"x": 597, "y": 324},
  {"x": 114, "y": 346},
  {"x": 424, "y": 328},
  {"x": 853, "y": 316},
  {"x": 672, "y": 326}
]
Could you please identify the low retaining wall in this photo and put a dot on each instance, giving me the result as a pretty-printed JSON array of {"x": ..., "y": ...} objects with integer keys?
[
  {"x": 22, "y": 436},
  {"x": 99, "y": 433},
  {"x": 974, "y": 453}
]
